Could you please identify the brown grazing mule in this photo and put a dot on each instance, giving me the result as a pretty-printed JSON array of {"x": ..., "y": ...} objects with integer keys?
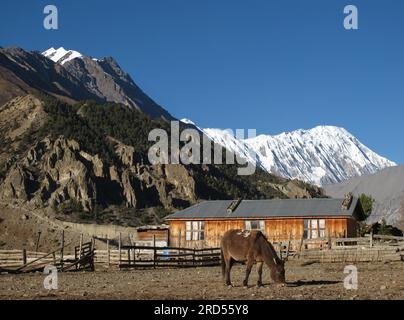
[{"x": 250, "y": 246}]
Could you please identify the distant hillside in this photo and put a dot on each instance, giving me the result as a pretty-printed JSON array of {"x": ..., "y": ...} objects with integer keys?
[{"x": 386, "y": 187}]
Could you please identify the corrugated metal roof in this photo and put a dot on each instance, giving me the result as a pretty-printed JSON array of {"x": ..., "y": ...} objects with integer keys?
[{"x": 267, "y": 208}]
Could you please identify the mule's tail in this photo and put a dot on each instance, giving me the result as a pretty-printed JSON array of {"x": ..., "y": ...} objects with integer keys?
[{"x": 223, "y": 264}]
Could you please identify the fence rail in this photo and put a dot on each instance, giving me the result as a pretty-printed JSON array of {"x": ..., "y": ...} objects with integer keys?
[
  {"x": 362, "y": 249},
  {"x": 20, "y": 261},
  {"x": 158, "y": 257},
  {"x": 369, "y": 248}
]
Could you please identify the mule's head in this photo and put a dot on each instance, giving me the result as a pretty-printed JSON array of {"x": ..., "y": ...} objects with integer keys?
[{"x": 278, "y": 272}]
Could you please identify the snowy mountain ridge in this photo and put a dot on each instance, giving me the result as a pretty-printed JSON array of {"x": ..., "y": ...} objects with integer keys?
[{"x": 322, "y": 156}]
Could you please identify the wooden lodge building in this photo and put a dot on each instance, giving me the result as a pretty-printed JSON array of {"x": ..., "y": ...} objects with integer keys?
[{"x": 203, "y": 224}]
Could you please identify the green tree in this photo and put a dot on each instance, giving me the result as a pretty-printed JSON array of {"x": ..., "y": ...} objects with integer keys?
[{"x": 367, "y": 203}]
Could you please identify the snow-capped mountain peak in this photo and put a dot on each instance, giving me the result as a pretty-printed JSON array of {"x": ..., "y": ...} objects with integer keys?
[
  {"x": 61, "y": 55},
  {"x": 321, "y": 156},
  {"x": 187, "y": 121}
]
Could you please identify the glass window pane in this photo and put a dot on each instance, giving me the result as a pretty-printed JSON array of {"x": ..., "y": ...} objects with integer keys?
[
  {"x": 305, "y": 234},
  {"x": 322, "y": 233},
  {"x": 195, "y": 235},
  {"x": 188, "y": 235},
  {"x": 202, "y": 236},
  {"x": 254, "y": 225},
  {"x": 314, "y": 234},
  {"x": 322, "y": 223},
  {"x": 313, "y": 224},
  {"x": 194, "y": 225},
  {"x": 247, "y": 225},
  {"x": 262, "y": 225},
  {"x": 188, "y": 225},
  {"x": 306, "y": 224},
  {"x": 202, "y": 225}
]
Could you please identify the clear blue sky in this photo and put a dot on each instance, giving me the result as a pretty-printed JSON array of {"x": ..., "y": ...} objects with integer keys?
[{"x": 271, "y": 65}]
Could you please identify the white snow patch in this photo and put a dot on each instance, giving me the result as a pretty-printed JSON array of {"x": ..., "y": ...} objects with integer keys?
[{"x": 61, "y": 55}]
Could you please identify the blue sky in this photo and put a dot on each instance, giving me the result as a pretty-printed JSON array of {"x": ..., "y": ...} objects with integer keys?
[{"x": 271, "y": 65}]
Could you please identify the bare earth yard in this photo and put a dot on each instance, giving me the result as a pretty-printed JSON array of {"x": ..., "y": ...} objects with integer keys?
[{"x": 315, "y": 281}]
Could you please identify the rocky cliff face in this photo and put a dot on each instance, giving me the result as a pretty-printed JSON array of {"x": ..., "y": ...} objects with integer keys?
[{"x": 53, "y": 173}]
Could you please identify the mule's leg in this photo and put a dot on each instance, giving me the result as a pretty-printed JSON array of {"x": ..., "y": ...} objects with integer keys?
[
  {"x": 250, "y": 264},
  {"x": 229, "y": 263},
  {"x": 259, "y": 269}
]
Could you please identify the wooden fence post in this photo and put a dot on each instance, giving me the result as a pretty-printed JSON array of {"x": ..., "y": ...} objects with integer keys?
[
  {"x": 24, "y": 256},
  {"x": 301, "y": 244},
  {"x": 289, "y": 242},
  {"x": 108, "y": 254},
  {"x": 154, "y": 251},
  {"x": 119, "y": 247},
  {"x": 329, "y": 239},
  {"x": 62, "y": 248},
  {"x": 81, "y": 245},
  {"x": 134, "y": 255},
  {"x": 371, "y": 239},
  {"x": 37, "y": 241}
]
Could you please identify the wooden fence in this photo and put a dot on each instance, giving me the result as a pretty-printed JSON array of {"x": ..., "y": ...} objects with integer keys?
[
  {"x": 20, "y": 261},
  {"x": 363, "y": 249},
  {"x": 158, "y": 257}
]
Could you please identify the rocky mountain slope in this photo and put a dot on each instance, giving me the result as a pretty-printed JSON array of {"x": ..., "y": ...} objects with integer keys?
[
  {"x": 323, "y": 155},
  {"x": 72, "y": 77},
  {"x": 386, "y": 187},
  {"x": 90, "y": 158}
]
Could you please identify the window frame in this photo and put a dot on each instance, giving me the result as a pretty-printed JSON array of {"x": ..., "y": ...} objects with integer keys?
[
  {"x": 314, "y": 228},
  {"x": 260, "y": 224},
  {"x": 194, "y": 230}
]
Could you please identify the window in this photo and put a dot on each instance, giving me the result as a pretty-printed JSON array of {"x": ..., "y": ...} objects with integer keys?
[
  {"x": 314, "y": 228},
  {"x": 254, "y": 225},
  {"x": 194, "y": 230}
]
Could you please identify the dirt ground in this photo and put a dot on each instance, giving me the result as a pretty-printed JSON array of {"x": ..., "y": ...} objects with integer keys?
[
  {"x": 19, "y": 229},
  {"x": 314, "y": 281}
]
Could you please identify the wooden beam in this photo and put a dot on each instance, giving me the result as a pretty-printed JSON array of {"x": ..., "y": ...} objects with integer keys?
[
  {"x": 119, "y": 247},
  {"x": 37, "y": 241},
  {"x": 108, "y": 253},
  {"x": 40, "y": 258},
  {"x": 24, "y": 256},
  {"x": 154, "y": 251},
  {"x": 62, "y": 248}
]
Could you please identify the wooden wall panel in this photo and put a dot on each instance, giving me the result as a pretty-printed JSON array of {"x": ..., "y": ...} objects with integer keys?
[
  {"x": 160, "y": 235},
  {"x": 275, "y": 229}
]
